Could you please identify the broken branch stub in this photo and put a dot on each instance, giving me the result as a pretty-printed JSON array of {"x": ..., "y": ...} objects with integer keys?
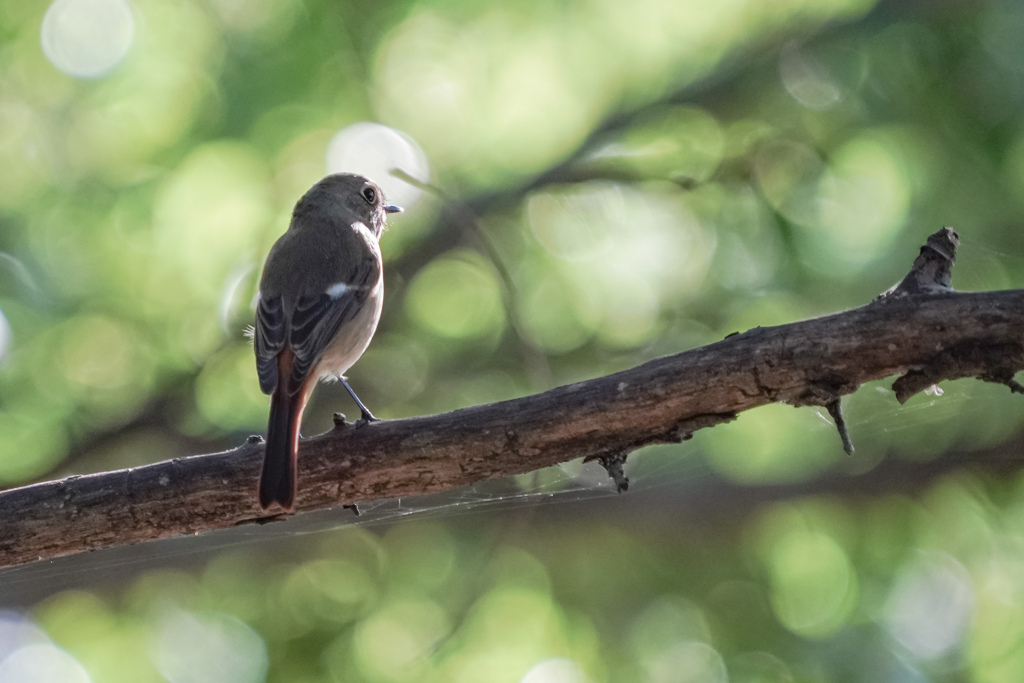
[{"x": 932, "y": 272}]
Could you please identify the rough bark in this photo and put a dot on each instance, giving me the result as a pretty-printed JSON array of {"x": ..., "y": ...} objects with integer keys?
[{"x": 920, "y": 331}]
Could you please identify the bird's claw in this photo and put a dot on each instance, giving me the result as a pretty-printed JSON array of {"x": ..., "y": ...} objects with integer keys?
[{"x": 366, "y": 419}]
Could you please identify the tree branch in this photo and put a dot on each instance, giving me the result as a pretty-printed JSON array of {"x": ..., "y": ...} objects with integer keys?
[{"x": 921, "y": 331}]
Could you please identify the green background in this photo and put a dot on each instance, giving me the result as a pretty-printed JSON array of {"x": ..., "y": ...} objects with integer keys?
[{"x": 610, "y": 182}]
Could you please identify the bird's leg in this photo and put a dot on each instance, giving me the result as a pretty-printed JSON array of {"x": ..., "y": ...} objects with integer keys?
[{"x": 367, "y": 416}]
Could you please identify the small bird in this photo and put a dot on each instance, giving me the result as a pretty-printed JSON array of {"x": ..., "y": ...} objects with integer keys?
[{"x": 317, "y": 308}]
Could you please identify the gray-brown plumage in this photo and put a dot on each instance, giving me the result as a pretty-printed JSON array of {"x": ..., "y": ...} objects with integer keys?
[{"x": 318, "y": 306}]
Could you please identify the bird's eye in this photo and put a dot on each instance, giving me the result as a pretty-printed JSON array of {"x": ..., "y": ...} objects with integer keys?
[{"x": 369, "y": 195}]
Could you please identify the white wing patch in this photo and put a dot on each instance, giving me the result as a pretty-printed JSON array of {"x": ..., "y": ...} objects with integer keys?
[
  {"x": 338, "y": 289},
  {"x": 360, "y": 227}
]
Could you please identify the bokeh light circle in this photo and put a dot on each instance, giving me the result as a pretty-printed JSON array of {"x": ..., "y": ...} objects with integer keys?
[
  {"x": 87, "y": 38},
  {"x": 42, "y": 663},
  {"x": 374, "y": 150},
  {"x": 6, "y": 336},
  {"x": 930, "y": 607},
  {"x": 555, "y": 670},
  {"x": 207, "y": 648},
  {"x": 457, "y": 297}
]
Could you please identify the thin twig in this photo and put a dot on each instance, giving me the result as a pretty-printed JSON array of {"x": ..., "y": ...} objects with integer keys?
[{"x": 835, "y": 409}]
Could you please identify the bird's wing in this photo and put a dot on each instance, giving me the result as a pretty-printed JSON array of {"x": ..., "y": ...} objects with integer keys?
[
  {"x": 268, "y": 339},
  {"x": 313, "y": 326}
]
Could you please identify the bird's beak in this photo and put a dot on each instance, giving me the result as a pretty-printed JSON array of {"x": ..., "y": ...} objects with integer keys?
[{"x": 391, "y": 208}]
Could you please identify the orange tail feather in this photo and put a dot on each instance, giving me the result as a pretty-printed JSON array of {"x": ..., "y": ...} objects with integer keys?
[{"x": 278, "y": 478}]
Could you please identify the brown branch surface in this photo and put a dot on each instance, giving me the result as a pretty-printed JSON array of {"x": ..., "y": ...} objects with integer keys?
[{"x": 924, "y": 336}]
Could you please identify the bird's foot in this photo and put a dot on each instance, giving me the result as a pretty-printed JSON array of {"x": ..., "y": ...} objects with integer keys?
[{"x": 366, "y": 419}]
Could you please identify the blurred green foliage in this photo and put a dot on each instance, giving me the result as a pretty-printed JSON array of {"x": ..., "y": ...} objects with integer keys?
[{"x": 608, "y": 182}]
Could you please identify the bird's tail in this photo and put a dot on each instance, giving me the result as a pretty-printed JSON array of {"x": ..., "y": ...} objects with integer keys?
[{"x": 278, "y": 480}]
